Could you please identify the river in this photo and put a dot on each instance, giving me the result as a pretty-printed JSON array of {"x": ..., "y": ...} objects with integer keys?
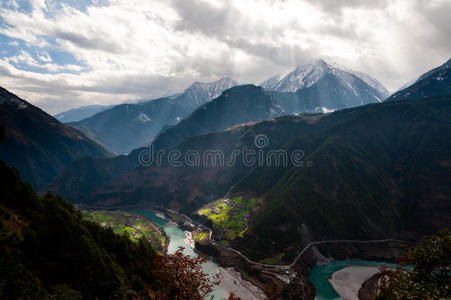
[
  {"x": 318, "y": 276},
  {"x": 177, "y": 237},
  {"x": 321, "y": 274}
]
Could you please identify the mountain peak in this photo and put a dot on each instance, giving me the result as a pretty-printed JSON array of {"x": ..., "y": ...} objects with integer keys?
[
  {"x": 319, "y": 62},
  {"x": 303, "y": 76},
  {"x": 306, "y": 75},
  {"x": 211, "y": 89},
  {"x": 316, "y": 63},
  {"x": 295, "y": 79},
  {"x": 224, "y": 80}
]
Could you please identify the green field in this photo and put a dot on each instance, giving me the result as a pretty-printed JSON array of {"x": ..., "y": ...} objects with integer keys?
[
  {"x": 200, "y": 236},
  {"x": 230, "y": 215},
  {"x": 133, "y": 225}
]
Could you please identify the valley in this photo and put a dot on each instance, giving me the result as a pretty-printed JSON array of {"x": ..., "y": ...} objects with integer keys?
[
  {"x": 230, "y": 280},
  {"x": 296, "y": 188},
  {"x": 264, "y": 273},
  {"x": 132, "y": 225}
]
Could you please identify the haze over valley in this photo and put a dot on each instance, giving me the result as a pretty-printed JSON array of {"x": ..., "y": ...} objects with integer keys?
[{"x": 149, "y": 151}]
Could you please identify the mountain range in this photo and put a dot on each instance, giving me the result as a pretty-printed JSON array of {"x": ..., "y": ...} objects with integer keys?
[
  {"x": 363, "y": 177},
  {"x": 113, "y": 127},
  {"x": 37, "y": 144},
  {"x": 238, "y": 105},
  {"x": 80, "y": 113},
  {"x": 333, "y": 158},
  {"x": 314, "y": 87},
  {"x": 364, "y": 174}
]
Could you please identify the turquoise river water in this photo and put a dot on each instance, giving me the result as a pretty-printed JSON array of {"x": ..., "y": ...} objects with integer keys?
[
  {"x": 177, "y": 237},
  {"x": 318, "y": 276}
]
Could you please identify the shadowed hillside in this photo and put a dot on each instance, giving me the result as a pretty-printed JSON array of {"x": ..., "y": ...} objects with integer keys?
[
  {"x": 37, "y": 144},
  {"x": 374, "y": 171}
]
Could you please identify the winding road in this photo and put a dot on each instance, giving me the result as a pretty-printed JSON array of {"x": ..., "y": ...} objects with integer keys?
[{"x": 282, "y": 267}]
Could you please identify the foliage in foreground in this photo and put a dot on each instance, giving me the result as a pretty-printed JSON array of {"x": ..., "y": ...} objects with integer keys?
[
  {"x": 184, "y": 276},
  {"x": 48, "y": 251},
  {"x": 424, "y": 271}
]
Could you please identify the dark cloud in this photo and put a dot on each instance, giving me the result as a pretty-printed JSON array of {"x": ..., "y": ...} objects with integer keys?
[
  {"x": 227, "y": 25},
  {"x": 202, "y": 17},
  {"x": 392, "y": 44},
  {"x": 438, "y": 17},
  {"x": 95, "y": 42},
  {"x": 284, "y": 55}
]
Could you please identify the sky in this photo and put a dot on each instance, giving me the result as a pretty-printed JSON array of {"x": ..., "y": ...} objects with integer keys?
[{"x": 64, "y": 54}]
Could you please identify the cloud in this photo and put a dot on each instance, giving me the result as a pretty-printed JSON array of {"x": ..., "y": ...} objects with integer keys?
[
  {"x": 44, "y": 57},
  {"x": 336, "y": 7},
  {"x": 61, "y": 55},
  {"x": 27, "y": 60}
]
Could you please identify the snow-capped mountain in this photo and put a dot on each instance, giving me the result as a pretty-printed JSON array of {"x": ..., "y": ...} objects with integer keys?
[
  {"x": 271, "y": 83},
  {"x": 125, "y": 127},
  {"x": 235, "y": 106},
  {"x": 209, "y": 90},
  {"x": 304, "y": 76},
  {"x": 319, "y": 86}
]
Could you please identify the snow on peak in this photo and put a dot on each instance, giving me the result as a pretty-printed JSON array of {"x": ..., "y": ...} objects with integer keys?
[
  {"x": 270, "y": 83},
  {"x": 304, "y": 76},
  {"x": 211, "y": 89}
]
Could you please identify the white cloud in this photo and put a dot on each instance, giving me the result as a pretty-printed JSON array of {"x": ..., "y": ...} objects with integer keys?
[
  {"x": 44, "y": 57},
  {"x": 25, "y": 58},
  {"x": 144, "y": 49}
]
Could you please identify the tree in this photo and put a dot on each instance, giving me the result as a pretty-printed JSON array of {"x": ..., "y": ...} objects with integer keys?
[
  {"x": 424, "y": 271},
  {"x": 183, "y": 276}
]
